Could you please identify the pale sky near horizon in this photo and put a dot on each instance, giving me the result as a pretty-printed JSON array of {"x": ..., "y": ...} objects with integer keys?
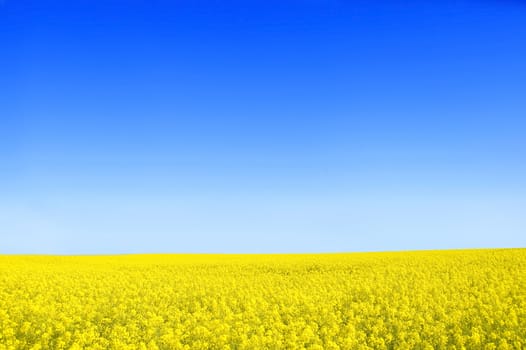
[{"x": 261, "y": 126}]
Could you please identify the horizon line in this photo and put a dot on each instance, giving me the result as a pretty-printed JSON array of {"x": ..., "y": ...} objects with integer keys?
[{"x": 278, "y": 253}]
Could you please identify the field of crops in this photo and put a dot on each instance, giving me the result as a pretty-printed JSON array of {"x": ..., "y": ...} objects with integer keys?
[{"x": 472, "y": 299}]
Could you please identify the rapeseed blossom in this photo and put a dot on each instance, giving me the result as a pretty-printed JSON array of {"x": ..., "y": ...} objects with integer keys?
[{"x": 471, "y": 299}]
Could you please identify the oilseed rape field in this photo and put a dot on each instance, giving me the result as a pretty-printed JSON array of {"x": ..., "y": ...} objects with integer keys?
[{"x": 458, "y": 299}]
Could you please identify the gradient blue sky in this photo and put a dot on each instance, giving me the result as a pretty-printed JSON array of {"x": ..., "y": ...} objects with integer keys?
[{"x": 261, "y": 126}]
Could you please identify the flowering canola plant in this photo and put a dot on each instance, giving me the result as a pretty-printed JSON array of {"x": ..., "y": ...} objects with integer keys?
[{"x": 462, "y": 299}]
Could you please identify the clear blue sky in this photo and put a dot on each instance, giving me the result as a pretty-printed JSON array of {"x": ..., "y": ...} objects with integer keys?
[{"x": 261, "y": 126}]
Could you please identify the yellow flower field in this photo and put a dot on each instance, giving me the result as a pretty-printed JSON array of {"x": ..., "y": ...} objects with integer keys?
[{"x": 464, "y": 299}]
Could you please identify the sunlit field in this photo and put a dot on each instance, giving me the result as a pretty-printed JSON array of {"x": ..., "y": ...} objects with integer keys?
[{"x": 470, "y": 299}]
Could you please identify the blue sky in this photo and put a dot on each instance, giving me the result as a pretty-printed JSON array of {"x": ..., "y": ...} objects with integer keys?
[{"x": 261, "y": 126}]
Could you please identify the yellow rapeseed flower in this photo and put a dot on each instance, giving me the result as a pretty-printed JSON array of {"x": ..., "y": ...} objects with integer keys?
[{"x": 471, "y": 299}]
